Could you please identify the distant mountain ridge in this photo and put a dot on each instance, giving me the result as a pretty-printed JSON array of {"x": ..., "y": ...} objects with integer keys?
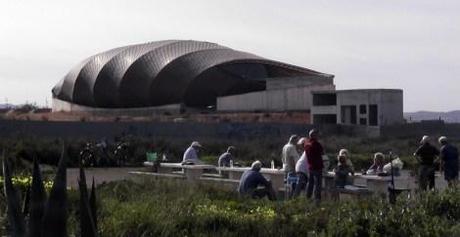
[
  {"x": 4, "y": 106},
  {"x": 448, "y": 117}
]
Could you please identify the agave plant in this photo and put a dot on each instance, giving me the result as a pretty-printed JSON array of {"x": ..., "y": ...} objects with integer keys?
[{"x": 47, "y": 216}]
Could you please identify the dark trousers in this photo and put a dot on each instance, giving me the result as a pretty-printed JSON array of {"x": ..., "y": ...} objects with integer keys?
[
  {"x": 262, "y": 192},
  {"x": 315, "y": 181},
  {"x": 426, "y": 177},
  {"x": 302, "y": 183}
]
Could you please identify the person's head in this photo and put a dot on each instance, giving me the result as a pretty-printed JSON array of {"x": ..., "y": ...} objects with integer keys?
[
  {"x": 378, "y": 158},
  {"x": 425, "y": 139},
  {"x": 443, "y": 140},
  {"x": 342, "y": 159},
  {"x": 344, "y": 152},
  {"x": 301, "y": 141},
  {"x": 196, "y": 145},
  {"x": 313, "y": 134},
  {"x": 293, "y": 139},
  {"x": 256, "y": 165},
  {"x": 231, "y": 149}
]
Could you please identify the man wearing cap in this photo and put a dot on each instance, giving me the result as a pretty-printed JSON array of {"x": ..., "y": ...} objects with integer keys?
[
  {"x": 425, "y": 155},
  {"x": 449, "y": 161},
  {"x": 314, "y": 152},
  {"x": 191, "y": 154},
  {"x": 224, "y": 159},
  {"x": 254, "y": 184},
  {"x": 289, "y": 157}
]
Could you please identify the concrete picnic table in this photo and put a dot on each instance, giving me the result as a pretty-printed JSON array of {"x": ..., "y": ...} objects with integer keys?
[
  {"x": 191, "y": 172},
  {"x": 275, "y": 175}
]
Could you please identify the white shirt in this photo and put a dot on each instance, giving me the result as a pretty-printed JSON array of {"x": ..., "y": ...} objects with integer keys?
[{"x": 302, "y": 165}]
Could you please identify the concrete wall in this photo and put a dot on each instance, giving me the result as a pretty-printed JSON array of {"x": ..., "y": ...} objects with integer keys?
[
  {"x": 389, "y": 103},
  {"x": 64, "y": 106},
  {"x": 278, "y": 83},
  {"x": 169, "y": 130},
  {"x": 272, "y": 100}
]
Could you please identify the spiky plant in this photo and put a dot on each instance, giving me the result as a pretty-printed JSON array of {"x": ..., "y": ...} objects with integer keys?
[
  {"x": 14, "y": 212},
  {"x": 48, "y": 217},
  {"x": 87, "y": 223}
]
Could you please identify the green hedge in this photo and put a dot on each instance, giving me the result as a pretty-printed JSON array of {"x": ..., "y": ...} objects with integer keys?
[{"x": 175, "y": 209}]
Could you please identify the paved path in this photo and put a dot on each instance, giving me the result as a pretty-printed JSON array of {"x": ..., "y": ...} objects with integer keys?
[{"x": 100, "y": 175}]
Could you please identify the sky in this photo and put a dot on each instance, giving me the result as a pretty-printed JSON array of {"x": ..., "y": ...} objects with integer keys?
[{"x": 412, "y": 45}]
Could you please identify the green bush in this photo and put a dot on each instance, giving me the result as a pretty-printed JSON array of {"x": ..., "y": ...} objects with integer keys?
[{"x": 180, "y": 209}]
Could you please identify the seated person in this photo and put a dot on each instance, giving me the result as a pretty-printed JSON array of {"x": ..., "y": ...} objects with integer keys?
[
  {"x": 191, "y": 154},
  {"x": 224, "y": 159},
  {"x": 377, "y": 166},
  {"x": 252, "y": 179},
  {"x": 346, "y": 153},
  {"x": 342, "y": 172}
]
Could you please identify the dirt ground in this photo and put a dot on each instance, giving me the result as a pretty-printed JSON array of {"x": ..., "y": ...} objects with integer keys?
[{"x": 100, "y": 175}]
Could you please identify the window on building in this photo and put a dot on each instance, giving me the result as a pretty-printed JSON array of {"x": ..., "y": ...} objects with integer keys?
[
  {"x": 325, "y": 119},
  {"x": 362, "y": 109},
  {"x": 348, "y": 114},
  {"x": 362, "y": 121},
  {"x": 325, "y": 99},
  {"x": 373, "y": 115}
]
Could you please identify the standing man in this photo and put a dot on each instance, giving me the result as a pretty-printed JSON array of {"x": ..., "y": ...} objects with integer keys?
[
  {"x": 301, "y": 169},
  {"x": 314, "y": 152},
  {"x": 224, "y": 159},
  {"x": 191, "y": 154},
  {"x": 289, "y": 156},
  {"x": 425, "y": 155},
  {"x": 449, "y": 161}
]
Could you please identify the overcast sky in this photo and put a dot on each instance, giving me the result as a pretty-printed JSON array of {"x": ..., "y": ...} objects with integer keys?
[{"x": 409, "y": 44}]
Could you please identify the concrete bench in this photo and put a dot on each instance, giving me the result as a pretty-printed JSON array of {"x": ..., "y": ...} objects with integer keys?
[
  {"x": 157, "y": 175},
  {"x": 351, "y": 192}
]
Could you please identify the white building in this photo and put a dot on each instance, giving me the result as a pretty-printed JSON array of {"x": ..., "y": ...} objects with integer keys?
[{"x": 366, "y": 107}]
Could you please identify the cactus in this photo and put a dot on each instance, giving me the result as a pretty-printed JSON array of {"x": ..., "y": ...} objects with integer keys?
[
  {"x": 15, "y": 215},
  {"x": 48, "y": 217},
  {"x": 54, "y": 221},
  {"x": 92, "y": 204},
  {"x": 87, "y": 227},
  {"x": 37, "y": 202}
]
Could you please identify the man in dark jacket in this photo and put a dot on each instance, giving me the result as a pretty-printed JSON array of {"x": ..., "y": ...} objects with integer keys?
[
  {"x": 254, "y": 184},
  {"x": 314, "y": 152},
  {"x": 426, "y": 154},
  {"x": 449, "y": 161}
]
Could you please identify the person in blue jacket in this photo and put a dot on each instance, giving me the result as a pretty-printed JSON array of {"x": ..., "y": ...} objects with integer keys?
[{"x": 254, "y": 184}]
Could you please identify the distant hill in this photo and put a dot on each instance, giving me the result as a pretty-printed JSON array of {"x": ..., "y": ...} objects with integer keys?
[
  {"x": 4, "y": 106},
  {"x": 448, "y": 117}
]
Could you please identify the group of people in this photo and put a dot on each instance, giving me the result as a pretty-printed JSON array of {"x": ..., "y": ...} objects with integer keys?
[
  {"x": 429, "y": 156},
  {"x": 304, "y": 163}
]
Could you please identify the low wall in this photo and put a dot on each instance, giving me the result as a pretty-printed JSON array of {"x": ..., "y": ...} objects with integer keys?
[
  {"x": 420, "y": 129},
  {"x": 166, "y": 130}
]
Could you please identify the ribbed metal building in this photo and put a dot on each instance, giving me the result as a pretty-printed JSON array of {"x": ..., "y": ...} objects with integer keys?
[{"x": 190, "y": 73}]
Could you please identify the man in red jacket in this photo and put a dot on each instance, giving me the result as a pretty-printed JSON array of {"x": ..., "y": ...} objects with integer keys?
[{"x": 314, "y": 152}]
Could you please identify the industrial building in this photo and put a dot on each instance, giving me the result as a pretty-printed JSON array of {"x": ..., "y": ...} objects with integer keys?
[
  {"x": 185, "y": 76},
  {"x": 174, "y": 74},
  {"x": 367, "y": 107}
]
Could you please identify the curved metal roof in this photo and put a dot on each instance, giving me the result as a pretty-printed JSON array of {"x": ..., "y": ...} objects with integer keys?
[{"x": 167, "y": 72}]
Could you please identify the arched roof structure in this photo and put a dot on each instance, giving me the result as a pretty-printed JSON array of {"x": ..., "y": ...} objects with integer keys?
[{"x": 166, "y": 72}]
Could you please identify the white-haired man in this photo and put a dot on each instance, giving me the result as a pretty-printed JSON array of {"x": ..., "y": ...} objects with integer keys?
[
  {"x": 254, "y": 184},
  {"x": 191, "y": 154},
  {"x": 449, "y": 161},
  {"x": 289, "y": 156},
  {"x": 426, "y": 154}
]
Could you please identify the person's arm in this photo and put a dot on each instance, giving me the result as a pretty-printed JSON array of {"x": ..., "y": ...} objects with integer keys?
[
  {"x": 417, "y": 154},
  {"x": 262, "y": 180}
]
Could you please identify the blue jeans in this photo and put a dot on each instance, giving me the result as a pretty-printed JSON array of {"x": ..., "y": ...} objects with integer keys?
[{"x": 315, "y": 181}]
